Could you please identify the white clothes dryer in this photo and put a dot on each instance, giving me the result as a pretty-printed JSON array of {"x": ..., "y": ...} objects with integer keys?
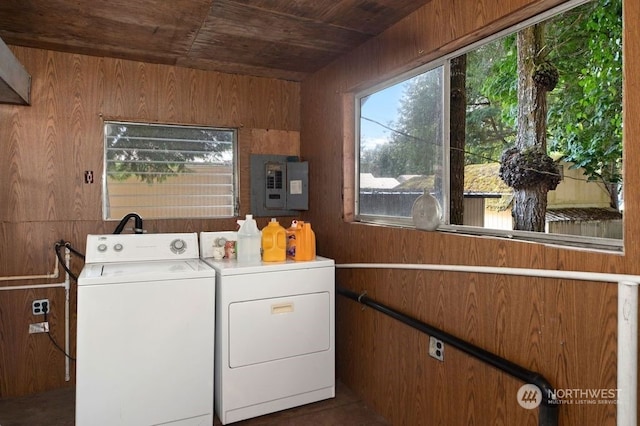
[
  {"x": 145, "y": 332},
  {"x": 275, "y": 333}
]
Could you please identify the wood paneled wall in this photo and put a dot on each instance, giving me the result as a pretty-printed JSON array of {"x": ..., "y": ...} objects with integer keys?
[
  {"x": 46, "y": 147},
  {"x": 566, "y": 330}
]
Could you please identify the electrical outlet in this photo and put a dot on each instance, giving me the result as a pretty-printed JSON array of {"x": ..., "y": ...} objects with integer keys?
[
  {"x": 40, "y": 306},
  {"x": 39, "y": 327},
  {"x": 436, "y": 348}
]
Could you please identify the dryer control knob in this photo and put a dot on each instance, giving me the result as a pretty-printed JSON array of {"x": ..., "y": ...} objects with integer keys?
[
  {"x": 102, "y": 248},
  {"x": 178, "y": 246}
]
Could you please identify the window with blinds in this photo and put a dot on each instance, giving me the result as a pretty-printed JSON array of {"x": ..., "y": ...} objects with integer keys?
[{"x": 168, "y": 171}]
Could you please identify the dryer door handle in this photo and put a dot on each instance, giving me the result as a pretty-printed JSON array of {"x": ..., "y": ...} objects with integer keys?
[{"x": 282, "y": 308}]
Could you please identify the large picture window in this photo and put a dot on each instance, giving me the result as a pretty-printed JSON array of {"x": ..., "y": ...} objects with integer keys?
[
  {"x": 518, "y": 135},
  {"x": 166, "y": 171}
]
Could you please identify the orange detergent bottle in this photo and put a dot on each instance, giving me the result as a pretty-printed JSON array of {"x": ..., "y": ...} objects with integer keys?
[
  {"x": 274, "y": 242},
  {"x": 301, "y": 241}
]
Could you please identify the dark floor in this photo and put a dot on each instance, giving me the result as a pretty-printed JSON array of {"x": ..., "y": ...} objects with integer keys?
[{"x": 56, "y": 408}]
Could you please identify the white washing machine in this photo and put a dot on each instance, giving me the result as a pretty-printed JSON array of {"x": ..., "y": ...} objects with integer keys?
[
  {"x": 145, "y": 332},
  {"x": 275, "y": 333}
]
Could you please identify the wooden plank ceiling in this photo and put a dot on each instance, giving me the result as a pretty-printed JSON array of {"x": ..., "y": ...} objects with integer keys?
[{"x": 286, "y": 39}]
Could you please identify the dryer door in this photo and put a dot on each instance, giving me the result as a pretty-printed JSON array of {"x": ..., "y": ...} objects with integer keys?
[{"x": 275, "y": 328}]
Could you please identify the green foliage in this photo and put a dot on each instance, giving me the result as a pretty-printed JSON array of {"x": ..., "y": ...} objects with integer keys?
[
  {"x": 491, "y": 91},
  {"x": 585, "y": 115},
  {"x": 585, "y": 109},
  {"x": 150, "y": 161},
  {"x": 414, "y": 146}
]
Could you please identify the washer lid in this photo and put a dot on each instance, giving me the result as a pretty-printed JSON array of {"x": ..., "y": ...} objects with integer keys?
[{"x": 106, "y": 273}]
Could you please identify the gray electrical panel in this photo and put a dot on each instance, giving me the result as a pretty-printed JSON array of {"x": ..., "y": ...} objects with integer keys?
[{"x": 279, "y": 185}]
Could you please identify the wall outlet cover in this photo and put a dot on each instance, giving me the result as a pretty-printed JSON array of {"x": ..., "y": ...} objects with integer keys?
[{"x": 40, "y": 307}]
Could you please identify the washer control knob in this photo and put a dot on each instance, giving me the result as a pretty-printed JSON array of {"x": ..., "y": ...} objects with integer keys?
[
  {"x": 102, "y": 248},
  {"x": 178, "y": 246},
  {"x": 118, "y": 247}
]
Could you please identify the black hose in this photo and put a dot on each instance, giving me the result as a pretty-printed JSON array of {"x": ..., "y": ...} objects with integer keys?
[
  {"x": 66, "y": 244},
  {"x": 137, "y": 225},
  {"x": 60, "y": 348},
  {"x": 548, "y": 415}
]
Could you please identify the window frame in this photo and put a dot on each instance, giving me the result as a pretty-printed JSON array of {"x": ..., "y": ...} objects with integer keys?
[
  {"x": 389, "y": 220},
  {"x": 235, "y": 169},
  {"x": 559, "y": 240}
]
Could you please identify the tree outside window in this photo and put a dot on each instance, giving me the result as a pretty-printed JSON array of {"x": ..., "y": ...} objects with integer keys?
[{"x": 541, "y": 107}]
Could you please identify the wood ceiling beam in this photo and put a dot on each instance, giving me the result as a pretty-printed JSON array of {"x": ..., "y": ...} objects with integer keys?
[{"x": 15, "y": 81}]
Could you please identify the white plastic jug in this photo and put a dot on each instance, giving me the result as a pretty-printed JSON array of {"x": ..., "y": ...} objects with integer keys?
[{"x": 249, "y": 241}]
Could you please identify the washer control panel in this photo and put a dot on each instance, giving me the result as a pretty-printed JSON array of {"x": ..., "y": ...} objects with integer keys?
[{"x": 140, "y": 247}]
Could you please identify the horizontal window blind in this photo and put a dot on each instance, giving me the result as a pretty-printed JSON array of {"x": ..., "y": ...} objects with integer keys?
[{"x": 168, "y": 171}]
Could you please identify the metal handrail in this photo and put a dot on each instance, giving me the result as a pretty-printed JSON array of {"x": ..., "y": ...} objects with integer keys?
[{"x": 548, "y": 409}]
